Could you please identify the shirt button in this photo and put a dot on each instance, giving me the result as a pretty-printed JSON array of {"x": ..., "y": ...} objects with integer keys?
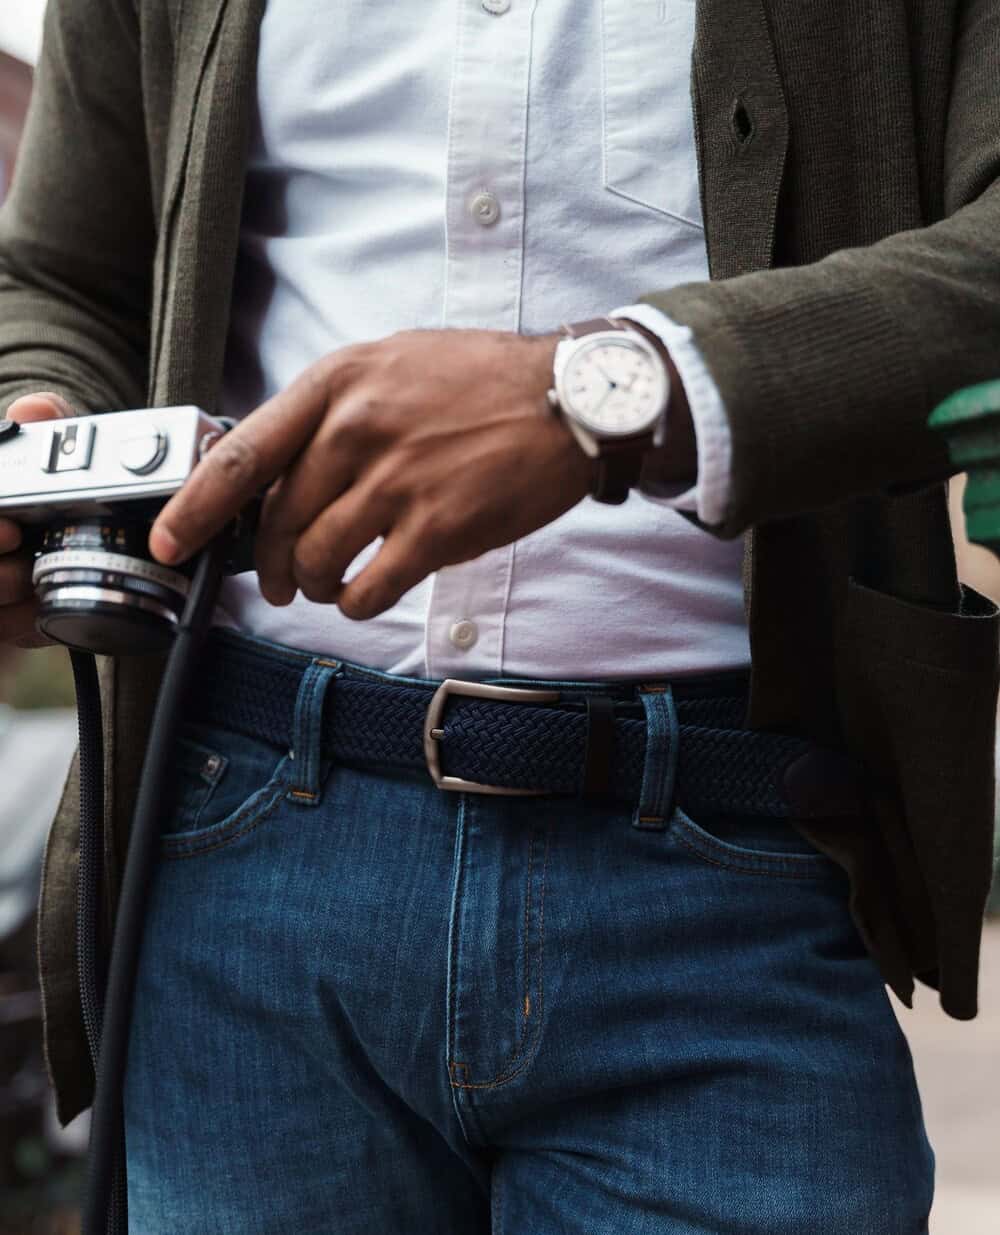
[
  {"x": 496, "y": 7},
  {"x": 463, "y": 634},
  {"x": 485, "y": 209}
]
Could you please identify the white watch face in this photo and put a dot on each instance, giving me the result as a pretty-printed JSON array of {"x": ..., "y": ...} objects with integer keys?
[{"x": 614, "y": 386}]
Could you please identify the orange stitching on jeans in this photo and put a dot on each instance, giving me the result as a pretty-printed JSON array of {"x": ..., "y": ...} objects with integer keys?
[
  {"x": 650, "y": 818},
  {"x": 521, "y": 1033},
  {"x": 461, "y": 845},
  {"x": 527, "y": 937},
  {"x": 302, "y": 793},
  {"x": 509, "y": 1076},
  {"x": 195, "y": 850}
]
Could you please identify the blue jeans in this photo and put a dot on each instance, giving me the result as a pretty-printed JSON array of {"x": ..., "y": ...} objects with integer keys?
[{"x": 369, "y": 1006}]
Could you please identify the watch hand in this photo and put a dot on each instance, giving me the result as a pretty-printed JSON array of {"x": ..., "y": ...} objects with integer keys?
[
  {"x": 600, "y": 401},
  {"x": 604, "y": 375}
]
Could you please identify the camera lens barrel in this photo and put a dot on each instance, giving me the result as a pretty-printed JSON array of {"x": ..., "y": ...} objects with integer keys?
[{"x": 100, "y": 591}]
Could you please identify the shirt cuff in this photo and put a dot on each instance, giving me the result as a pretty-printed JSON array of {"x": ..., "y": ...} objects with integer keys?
[{"x": 709, "y": 497}]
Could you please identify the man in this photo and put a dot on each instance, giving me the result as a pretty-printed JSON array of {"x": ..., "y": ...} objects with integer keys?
[{"x": 370, "y": 1004}]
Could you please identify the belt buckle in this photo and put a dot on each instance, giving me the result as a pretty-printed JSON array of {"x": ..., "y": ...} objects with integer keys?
[{"x": 433, "y": 733}]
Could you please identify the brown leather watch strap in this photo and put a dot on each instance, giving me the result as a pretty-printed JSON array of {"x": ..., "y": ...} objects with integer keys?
[
  {"x": 615, "y": 474},
  {"x": 576, "y": 330}
]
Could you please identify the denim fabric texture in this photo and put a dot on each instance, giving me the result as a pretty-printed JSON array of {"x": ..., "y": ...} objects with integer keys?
[{"x": 370, "y": 1007}]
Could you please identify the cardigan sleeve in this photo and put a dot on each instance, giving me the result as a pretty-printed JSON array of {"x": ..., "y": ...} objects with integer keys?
[{"x": 828, "y": 372}]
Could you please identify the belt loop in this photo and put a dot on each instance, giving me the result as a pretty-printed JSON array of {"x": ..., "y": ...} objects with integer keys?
[
  {"x": 307, "y": 731},
  {"x": 659, "y": 771}
]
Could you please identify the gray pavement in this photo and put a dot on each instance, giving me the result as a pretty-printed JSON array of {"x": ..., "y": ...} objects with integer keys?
[
  {"x": 35, "y": 750},
  {"x": 958, "y": 1070}
]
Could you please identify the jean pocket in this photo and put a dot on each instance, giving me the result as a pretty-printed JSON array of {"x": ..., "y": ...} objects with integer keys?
[
  {"x": 649, "y": 142},
  {"x": 753, "y": 845},
  {"x": 222, "y": 785}
]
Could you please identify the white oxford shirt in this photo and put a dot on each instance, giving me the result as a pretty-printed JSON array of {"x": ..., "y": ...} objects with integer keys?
[{"x": 511, "y": 165}]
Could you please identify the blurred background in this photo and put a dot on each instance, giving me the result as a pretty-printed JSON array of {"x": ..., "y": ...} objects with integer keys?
[{"x": 958, "y": 1066}]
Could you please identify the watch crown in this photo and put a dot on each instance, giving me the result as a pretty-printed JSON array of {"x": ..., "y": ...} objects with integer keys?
[{"x": 553, "y": 400}]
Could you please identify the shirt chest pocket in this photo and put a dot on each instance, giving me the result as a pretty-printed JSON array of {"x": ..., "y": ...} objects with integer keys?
[{"x": 649, "y": 148}]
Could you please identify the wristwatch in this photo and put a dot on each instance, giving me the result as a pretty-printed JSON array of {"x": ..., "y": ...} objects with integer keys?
[{"x": 612, "y": 388}]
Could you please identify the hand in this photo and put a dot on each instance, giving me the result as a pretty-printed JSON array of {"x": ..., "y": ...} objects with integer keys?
[
  {"x": 440, "y": 441},
  {"x": 18, "y": 605}
]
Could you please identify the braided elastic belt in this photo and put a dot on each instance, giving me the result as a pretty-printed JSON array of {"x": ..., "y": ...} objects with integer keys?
[{"x": 481, "y": 738}]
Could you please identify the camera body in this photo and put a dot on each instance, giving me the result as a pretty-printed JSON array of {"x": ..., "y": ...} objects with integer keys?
[{"x": 87, "y": 489}]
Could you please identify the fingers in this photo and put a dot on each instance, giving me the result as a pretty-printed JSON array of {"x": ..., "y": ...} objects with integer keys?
[
  {"x": 315, "y": 485},
  {"x": 17, "y": 622},
  {"x": 18, "y": 603},
  {"x": 241, "y": 463},
  {"x": 46, "y": 405},
  {"x": 317, "y": 560},
  {"x": 10, "y": 536},
  {"x": 398, "y": 566},
  {"x": 34, "y": 640},
  {"x": 15, "y": 579}
]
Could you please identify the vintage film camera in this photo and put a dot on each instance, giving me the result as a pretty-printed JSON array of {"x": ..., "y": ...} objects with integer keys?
[{"x": 87, "y": 490}]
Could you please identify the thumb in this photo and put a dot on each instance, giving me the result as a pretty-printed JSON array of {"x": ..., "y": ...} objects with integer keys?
[{"x": 46, "y": 405}]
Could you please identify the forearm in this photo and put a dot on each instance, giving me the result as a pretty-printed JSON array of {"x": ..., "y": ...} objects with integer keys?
[{"x": 829, "y": 371}]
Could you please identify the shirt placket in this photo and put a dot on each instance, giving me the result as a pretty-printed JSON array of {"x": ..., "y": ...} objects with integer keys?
[{"x": 487, "y": 131}]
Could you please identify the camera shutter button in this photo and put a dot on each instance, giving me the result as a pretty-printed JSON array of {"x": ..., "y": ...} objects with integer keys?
[{"x": 144, "y": 454}]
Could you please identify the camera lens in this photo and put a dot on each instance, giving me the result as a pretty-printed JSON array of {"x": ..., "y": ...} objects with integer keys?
[{"x": 100, "y": 591}]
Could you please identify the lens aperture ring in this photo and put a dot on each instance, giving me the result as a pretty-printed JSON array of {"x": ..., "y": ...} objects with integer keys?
[{"x": 105, "y": 562}]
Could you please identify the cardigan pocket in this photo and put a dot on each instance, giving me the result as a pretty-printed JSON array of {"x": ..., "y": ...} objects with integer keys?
[
  {"x": 918, "y": 690},
  {"x": 649, "y": 146}
]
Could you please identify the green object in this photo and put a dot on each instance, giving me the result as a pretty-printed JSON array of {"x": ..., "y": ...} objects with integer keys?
[{"x": 970, "y": 422}]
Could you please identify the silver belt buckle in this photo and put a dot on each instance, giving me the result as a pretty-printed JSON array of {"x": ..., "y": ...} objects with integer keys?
[{"x": 433, "y": 733}]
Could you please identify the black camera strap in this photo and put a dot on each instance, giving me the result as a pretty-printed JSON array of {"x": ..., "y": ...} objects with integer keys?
[
  {"x": 90, "y": 886},
  {"x": 108, "y": 1019}
]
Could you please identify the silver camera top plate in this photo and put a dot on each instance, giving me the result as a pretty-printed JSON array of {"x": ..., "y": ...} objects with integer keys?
[{"x": 85, "y": 464}]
